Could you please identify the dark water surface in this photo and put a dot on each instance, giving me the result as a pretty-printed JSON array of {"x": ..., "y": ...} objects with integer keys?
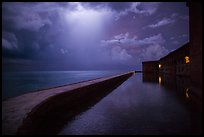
[
  {"x": 17, "y": 83},
  {"x": 144, "y": 104}
]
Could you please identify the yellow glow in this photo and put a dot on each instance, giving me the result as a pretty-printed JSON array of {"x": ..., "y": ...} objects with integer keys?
[
  {"x": 187, "y": 59},
  {"x": 160, "y": 80},
  {"x": 160, "y": 65},
  {"x": 187, "y": 94}
]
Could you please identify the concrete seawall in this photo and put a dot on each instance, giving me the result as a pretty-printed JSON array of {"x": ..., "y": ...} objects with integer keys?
[{"x": 46, "y": 111}]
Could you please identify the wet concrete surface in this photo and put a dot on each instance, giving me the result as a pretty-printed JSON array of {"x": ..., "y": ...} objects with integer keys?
[{"x": 145, "y": 104}]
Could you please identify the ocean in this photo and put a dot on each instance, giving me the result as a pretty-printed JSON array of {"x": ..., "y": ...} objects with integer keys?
[{"x": 17, "y": 83}]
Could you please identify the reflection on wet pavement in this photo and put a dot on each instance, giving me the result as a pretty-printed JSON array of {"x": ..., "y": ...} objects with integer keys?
[{"x": 144, "y": 104}]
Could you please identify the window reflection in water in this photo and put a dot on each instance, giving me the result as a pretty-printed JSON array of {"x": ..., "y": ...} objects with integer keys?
[
  {"x": 187, "y": 93},
  {"x": 181, "y": 87},
  {"x": 178, "y": 84},
  {"x": 142, "y": 107},
  {"x": 160, "y": 80}
]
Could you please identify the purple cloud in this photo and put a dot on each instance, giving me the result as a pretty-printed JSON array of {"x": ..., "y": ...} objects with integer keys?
[
  {"x": 9, "y": 41},
  {"x": 139, "y": 8},
  {"x": 63, "y": 51},
  {"x": 86, "y": 35},
  {"x": 125, "y": 40},
  {"x": 29, "y": 15},
  {"x": 127, "y": 48},
  {"x": 163, "y": 22},
  {"x": 153, "y": 52},
  {"x": 119, "y": 54}
]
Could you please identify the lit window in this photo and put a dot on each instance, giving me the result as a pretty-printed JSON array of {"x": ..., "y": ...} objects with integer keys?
[
  {"x": 187, "y": 59},
  {"x": 160, "y": 65}
]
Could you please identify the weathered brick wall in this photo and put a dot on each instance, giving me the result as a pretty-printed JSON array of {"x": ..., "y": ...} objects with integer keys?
[{"x": 195, "y": 12}]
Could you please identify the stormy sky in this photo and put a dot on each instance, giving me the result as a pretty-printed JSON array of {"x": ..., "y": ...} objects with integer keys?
[{"x": 90, "y": 36}]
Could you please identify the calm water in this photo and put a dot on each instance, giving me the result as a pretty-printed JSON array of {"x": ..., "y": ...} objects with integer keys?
[
  {"x": 143, "y": 104},
  {"x": 17, "y": 83}
]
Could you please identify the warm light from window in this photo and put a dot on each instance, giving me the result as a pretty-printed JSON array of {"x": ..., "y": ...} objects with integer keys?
[
  {"x": 187, "y": 59},
  {"x": 159, "y": 65}
]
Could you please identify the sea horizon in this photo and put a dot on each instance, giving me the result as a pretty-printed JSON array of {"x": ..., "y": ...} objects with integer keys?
[{"x": 15, "y": 83}]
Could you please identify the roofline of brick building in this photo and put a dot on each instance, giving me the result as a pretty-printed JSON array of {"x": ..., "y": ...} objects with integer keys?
[{"x": 175, "y": 51}]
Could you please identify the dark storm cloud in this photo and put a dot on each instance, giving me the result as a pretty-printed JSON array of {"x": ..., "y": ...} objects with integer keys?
[
  {"x": 29, "y": 23},
  {"x": 95, "y": 35},
  {"x": 29, "y": 16},
  {"x": 119, "y": 6},
  {"x": 115, "y": 6},
  {"x": 9, "y": 41},
  {"x": 136, "y": 7}
]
